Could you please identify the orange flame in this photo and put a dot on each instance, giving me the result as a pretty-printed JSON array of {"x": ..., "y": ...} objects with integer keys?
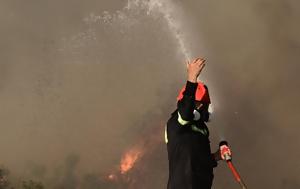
[{"x": 129, "y": 159}]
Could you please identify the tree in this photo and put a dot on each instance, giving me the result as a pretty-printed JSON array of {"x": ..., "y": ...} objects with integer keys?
[
  {"x": 32, "y": 185},
  {"x": 4, "y": 184}
]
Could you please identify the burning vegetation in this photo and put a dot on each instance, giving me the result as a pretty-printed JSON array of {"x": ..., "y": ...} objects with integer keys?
[
  {"x": 134, "y": 160},
  {"x": 129, "y": 159}
]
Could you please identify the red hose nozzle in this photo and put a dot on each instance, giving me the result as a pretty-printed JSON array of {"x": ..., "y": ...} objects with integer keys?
[
  {"x": 226, "y": 155},
  {"x": 225, "y": 151}
]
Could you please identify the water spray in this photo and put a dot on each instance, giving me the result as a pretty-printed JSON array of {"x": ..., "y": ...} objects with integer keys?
[
  {"x": 168, "y": 10},
  {"x": 227, "y": 157}
]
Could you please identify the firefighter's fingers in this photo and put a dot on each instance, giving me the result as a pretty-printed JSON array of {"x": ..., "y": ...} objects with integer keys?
[
  {"x": 187, "y": 63},
  {"x": 200, "y": 60},
  {"x": 202, "y": 65},
  {"x": 222, "y": 156},
  {"x": 196, "y": 60}
]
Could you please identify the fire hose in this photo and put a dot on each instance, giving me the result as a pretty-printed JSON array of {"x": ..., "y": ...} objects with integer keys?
[{"x": 227, "y": 157}]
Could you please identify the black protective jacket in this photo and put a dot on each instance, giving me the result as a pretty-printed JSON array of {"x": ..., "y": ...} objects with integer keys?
[{"x": 190, "y": 160}]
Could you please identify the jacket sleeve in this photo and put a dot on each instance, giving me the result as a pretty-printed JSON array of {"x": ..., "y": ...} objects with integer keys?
[
  {"x": 204, "y": 113},
  {"x": 186, "y": 105},
  {"x": 214, "y": 162}
]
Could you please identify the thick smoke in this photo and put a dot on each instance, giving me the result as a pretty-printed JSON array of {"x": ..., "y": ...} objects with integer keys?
[
  {"x": 253, "y": 51},
  {"x": 82, "y": 82}
]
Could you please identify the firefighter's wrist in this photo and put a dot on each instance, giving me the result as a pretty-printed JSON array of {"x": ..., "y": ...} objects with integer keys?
[{"x": 192, "y": 79}]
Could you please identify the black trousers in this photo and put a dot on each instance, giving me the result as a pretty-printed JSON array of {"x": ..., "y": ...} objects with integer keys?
[{"x": 200, "y": 182}]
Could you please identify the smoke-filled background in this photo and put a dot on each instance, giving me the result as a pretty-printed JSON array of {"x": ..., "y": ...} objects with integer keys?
[{"x": 87, "y": 86}]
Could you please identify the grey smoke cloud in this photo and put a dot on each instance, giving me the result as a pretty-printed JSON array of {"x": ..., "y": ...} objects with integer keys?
[{"x": 68, "y": 86}]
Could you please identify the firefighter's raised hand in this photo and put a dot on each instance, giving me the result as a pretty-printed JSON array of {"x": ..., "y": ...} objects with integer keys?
[{"x": 194, "y": 69}]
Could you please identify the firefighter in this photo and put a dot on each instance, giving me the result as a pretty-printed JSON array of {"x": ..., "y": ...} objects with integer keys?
[{"x": 191, "y": 162}]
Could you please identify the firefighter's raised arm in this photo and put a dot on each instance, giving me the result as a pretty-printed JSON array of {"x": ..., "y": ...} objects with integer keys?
[
  {"x": 186, "y": 101},
  {"x": 194, "y": 69}
]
